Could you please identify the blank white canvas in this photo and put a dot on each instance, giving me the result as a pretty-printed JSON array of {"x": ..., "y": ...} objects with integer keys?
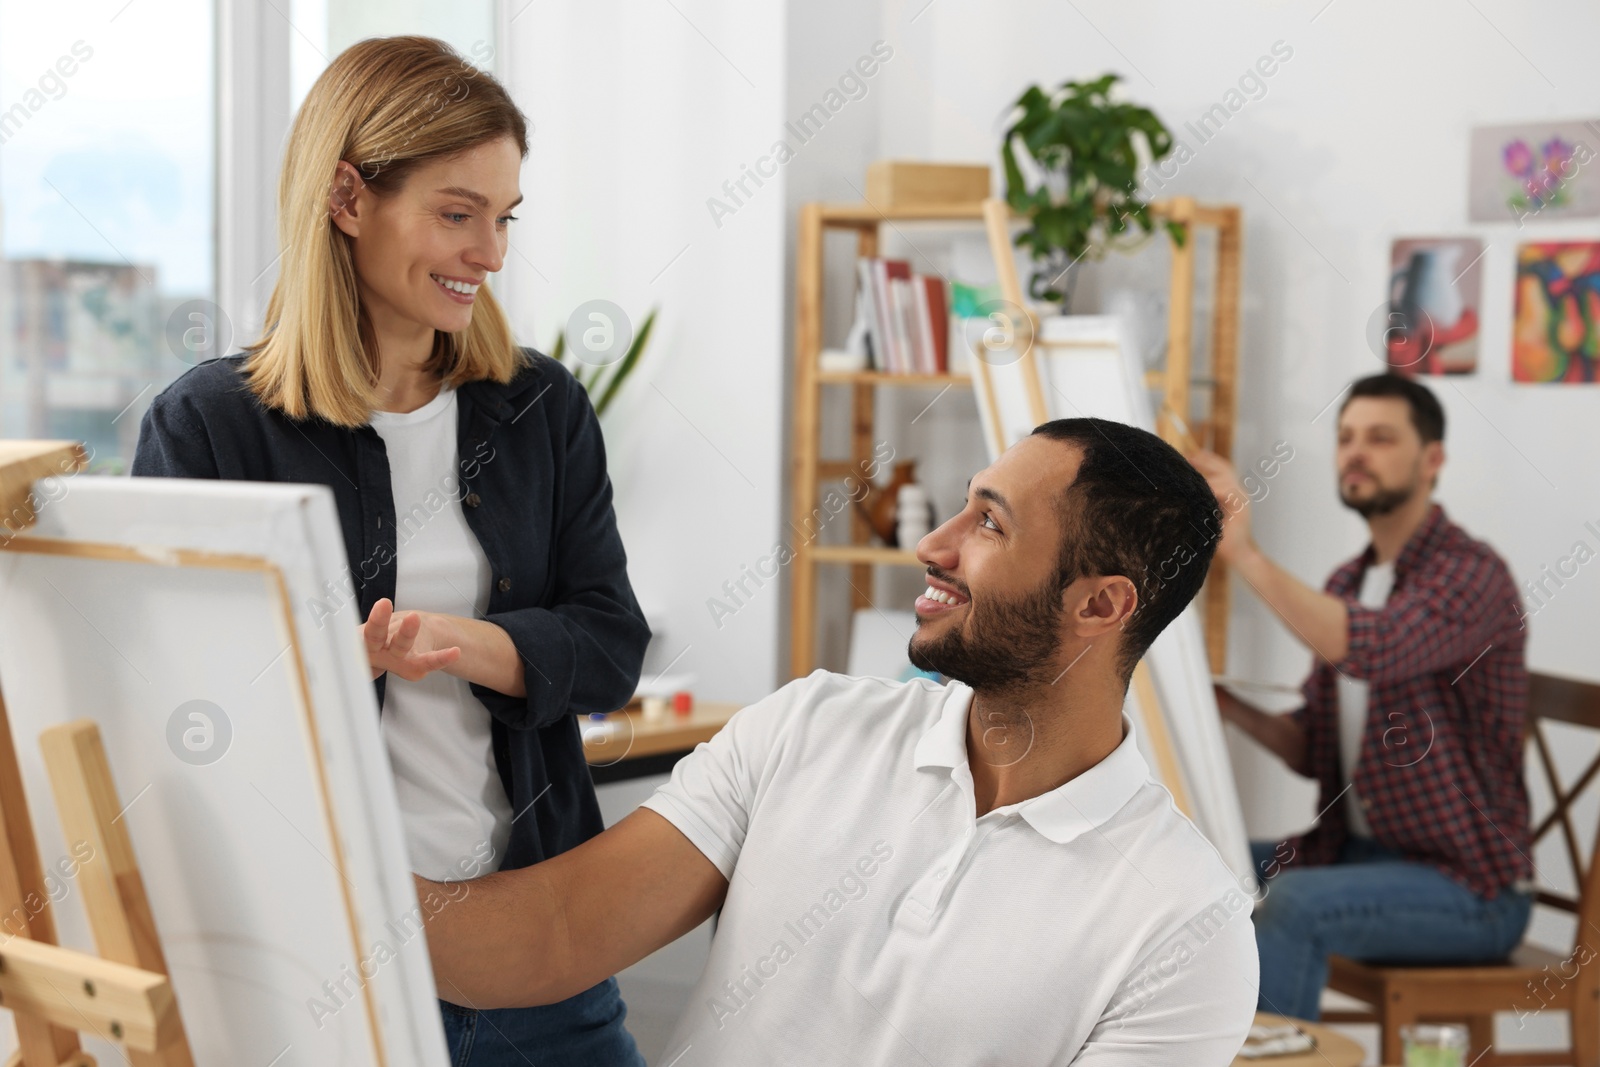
[
  {"x": 1089, "y": 376},
  {"x": 242, "y": 856}
]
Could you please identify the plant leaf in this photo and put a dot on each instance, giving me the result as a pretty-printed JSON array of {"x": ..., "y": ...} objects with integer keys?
[{"x": 627, "y": 363}]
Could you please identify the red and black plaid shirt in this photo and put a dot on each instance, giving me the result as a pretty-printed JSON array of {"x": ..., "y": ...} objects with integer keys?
[{"x": 1440, "y": 771}]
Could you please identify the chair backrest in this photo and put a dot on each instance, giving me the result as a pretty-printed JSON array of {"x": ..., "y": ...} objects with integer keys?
[{"x": 1571, "y": 701}]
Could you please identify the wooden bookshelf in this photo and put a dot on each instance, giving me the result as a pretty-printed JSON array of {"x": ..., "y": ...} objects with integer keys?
[{"x": 810, "y": 469}]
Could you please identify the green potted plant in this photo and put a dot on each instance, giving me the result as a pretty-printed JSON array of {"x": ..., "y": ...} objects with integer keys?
[
  {"x": 1083, "y": 197},
  {"x": 602, "y": 382}
]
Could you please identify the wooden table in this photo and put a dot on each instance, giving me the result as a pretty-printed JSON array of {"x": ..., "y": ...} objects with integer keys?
[
  {"x": 636, "y": 747},
  {"x": 1333, "y": 1048}
]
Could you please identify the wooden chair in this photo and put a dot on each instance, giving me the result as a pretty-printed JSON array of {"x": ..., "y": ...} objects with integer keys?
[{"x": 1532, "y": 979}]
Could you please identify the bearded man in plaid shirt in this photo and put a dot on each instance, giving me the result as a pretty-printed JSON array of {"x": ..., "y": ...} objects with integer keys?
[{"x": 1412, "y": 724}]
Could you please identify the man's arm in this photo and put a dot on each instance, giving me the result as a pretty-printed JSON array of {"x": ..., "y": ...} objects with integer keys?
[
  {"x": 1320, "y": 621},
  {"x": 1448, "y": 615},
  {"x": 1282, "y": 735},
  {"x": 543, "y": 933}
]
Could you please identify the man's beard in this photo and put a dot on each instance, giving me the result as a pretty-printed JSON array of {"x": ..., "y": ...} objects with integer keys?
[
  {"x": 1011, "y": 643},
  {"x": 1381, "y": 502}
]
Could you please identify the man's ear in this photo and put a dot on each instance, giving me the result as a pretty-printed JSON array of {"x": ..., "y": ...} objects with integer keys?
[
  {"x": 1433, "y": 457},
  {"x": 1100, "y": 605},
  {"x": 343, "y": 205}
]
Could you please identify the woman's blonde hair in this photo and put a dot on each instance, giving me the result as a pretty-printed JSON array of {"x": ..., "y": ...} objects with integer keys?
[{"x": 387, "y": 105}]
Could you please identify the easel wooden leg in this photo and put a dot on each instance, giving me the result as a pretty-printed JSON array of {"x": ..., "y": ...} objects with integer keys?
[
  {"x": 113, "y": 889},
  {"x": 996, "y": 219},
  {"x": 25, "y": 901}
]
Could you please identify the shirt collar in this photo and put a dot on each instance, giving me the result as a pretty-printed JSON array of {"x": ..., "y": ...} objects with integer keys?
[
  {"x": 1064, "y": 812},
  {"x": 486, "y": 403},
  {"x": 1422, "y": 542}
]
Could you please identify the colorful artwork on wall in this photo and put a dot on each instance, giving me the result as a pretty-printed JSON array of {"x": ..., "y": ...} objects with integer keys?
[
  {"x": 1555, "y": 336},
  {"x": 1435, "y": 285},
  {"x": 1534, "y": 172}
]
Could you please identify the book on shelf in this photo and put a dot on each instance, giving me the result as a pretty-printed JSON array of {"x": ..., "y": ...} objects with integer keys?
[{"x": 906, "y": 317}]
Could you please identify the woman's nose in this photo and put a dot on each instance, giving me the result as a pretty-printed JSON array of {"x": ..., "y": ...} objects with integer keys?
[{"x": 486, "y": 254}]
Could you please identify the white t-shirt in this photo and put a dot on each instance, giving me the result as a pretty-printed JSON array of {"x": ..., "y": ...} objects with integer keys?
[
  {"x": 871, "y": 917},
  {"x": 436, "y": 731},
  {"x": 1375, "y": 586}
]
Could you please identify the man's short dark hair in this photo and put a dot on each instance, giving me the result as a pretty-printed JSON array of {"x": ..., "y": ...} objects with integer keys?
[
  {"x": 1426, "y": 414},
  {"x": 1139, "y": 509}
]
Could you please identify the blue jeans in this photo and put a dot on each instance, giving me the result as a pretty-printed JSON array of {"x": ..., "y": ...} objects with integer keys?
[
  {"x": 581, "y": 1031},
  {"x": 1370, "y": 905}
]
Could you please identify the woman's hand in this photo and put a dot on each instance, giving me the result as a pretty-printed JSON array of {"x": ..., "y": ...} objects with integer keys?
[{"x": 411, "y": 644}]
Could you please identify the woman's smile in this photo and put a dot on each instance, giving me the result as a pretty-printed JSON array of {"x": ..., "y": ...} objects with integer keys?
[{"x": 460, "y": 290}]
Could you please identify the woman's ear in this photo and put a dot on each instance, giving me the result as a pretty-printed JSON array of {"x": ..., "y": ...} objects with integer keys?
[{"x": 342, "y": 198}]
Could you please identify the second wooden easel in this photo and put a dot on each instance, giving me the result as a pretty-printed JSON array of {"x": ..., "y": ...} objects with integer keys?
[{"x": 54, "y": 993}]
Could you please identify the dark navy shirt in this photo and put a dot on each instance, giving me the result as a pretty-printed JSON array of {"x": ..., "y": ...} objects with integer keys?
[{"x": 535, "y": 492}]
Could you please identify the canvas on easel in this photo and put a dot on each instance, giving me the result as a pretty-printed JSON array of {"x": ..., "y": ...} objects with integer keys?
[
  {"x": 1077, "y": 366},
  {"x": 191, "y": 622}
]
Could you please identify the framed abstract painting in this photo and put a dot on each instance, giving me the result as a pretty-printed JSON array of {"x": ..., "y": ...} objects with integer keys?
[{"x": 1555, "y": 333}]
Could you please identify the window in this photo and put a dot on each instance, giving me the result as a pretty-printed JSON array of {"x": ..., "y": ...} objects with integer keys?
[{"x": 106, "y": 186}]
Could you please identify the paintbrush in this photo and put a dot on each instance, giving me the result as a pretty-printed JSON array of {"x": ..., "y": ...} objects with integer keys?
[
  {"x": 1246, "y": 683},
  {"x": 1186, "y": 440}
]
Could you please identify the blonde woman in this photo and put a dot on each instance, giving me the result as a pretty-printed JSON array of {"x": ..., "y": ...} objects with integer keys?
[{"x": 487, "y": 575}]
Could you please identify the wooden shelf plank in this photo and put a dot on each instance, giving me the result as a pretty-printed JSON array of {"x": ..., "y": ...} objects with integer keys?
[
  {"x": 24, "y": 462},
  {"x": 860, "y": 214},
  {"x": 897, "y": 557},
  {"x": 872, "y": 377}
]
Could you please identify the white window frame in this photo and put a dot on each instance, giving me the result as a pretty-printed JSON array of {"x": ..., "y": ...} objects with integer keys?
[{"x": 252, "y": 123}]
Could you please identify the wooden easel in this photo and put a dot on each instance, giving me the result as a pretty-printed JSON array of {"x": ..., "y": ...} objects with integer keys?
[
  {"x": 1175, "y": 384},
  {"x": 54, "y": 993},
  {"x": 1215, "y": 430}
]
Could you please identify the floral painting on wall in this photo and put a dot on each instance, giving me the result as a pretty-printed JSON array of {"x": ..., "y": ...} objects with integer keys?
[
  {"x": 1555, "y": 336},
  {"x": 1534, "y": 172}
]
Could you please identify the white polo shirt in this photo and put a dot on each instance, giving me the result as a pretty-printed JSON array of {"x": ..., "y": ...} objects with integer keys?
[{"x": 872, "y": 918}]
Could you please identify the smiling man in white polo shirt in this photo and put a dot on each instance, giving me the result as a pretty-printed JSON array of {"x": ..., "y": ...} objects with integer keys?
[{"x": 977, "y": 873}]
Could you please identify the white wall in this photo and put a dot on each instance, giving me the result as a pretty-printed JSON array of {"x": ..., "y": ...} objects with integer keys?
[{"x": 640, "y": 112}]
